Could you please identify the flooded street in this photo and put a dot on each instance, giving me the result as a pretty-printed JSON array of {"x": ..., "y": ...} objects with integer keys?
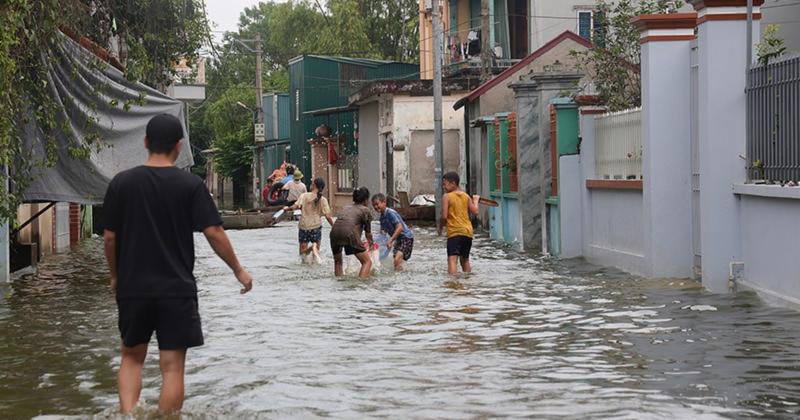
[{"x": 520, "y": 338}]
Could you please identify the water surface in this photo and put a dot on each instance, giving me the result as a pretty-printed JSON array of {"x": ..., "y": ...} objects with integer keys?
[{"x": 522, "y": 337}]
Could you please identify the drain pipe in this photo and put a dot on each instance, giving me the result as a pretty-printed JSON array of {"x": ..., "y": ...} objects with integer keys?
[{"x": 467, "y": 146}]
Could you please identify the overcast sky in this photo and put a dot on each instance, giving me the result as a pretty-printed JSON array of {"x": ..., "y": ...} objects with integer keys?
[{"x": 224, "y": 14}]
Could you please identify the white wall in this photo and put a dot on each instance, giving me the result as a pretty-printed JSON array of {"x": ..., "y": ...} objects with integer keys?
[
  {"x": 570, "y": 191},
  {"x": 415, "y": 113},
  {"x": 786, "y": 14},
  {"x": 770, "y": 232},
  {"x": 369, "y": 148},
  {"x": 615, "y": 235}
]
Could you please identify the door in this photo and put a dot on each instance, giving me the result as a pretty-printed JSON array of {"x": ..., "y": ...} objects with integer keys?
[
  {"x": 694, "y": 123},
  {"x": 389, "y": 154}
]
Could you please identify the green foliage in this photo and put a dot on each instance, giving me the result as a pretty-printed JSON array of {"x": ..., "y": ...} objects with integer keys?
[
  {"x": 355, "y": 28},
  {"x": 156, "y": 33},
  {"x": 613, "y": 62},
  {"x": 231, "y": 127},
  {"x": 771, "y": 46}
]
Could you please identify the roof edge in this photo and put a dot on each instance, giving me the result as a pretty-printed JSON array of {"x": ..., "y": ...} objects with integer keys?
[{"x": 505, "y": 74}]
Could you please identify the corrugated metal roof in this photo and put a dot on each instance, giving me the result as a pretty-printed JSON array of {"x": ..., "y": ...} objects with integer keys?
[{"x": 369, "y": 62}]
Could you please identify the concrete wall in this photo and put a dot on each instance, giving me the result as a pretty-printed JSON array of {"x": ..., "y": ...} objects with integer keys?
[
  {"x": 615, "y": 234},
  {"x": 415, "y": 114},
  {"x": 770, "y": 232},
  {"x": 666, "y": 148},
  {"x": 421, "y": 154},
  {"x": 369, "y": 148},
  {"x": 5, "y": 263},
  {"x": 570, "y": 191}
]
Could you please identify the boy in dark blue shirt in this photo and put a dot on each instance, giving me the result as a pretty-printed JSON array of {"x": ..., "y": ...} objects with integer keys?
[{"x": 401, "y": 237}]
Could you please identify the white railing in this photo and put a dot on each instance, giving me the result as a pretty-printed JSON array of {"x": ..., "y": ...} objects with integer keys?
[{"x": 618, "y": 146}]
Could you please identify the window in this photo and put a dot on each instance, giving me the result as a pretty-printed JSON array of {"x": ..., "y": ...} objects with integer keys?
[
  {"x": 585, "y": 24},
  {"x": 591, "y": 25}
]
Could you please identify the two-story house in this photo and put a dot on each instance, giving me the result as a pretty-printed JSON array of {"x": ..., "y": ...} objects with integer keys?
[{"x": 516, "y": 29}]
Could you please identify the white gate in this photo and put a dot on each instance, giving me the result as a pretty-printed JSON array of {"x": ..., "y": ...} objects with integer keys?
[{"x": 695, "y": 120}]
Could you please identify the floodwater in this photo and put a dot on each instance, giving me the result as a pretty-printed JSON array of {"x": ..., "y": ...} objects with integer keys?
[{"x": 521, "y": 337}]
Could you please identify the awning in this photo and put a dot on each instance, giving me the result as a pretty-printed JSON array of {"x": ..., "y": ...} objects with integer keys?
[
  {"x": 330, "y": 111},
  {"x": 96, "y": 91}
]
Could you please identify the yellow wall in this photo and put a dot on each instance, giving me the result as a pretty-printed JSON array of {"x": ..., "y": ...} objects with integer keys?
[{"x": 44, "y": 225}]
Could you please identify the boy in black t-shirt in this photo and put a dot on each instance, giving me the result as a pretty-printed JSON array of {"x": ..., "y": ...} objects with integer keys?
[{"x": 151, "y": 213}]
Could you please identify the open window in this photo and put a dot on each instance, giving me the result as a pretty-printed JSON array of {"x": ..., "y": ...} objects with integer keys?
[{"x": 591, "y": 25}]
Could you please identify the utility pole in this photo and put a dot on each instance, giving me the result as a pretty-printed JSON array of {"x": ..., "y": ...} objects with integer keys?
[
  {"x": 437, "y": 110},
  {"x": 486, "y": 54},
  {"x": 258, "y": 160}
]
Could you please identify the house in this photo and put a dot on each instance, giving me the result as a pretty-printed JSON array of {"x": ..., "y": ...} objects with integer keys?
[
  {"x": 319, "y": 88},
  {"x": 491, "y": 111},
  {"x": 396, "y": 137},
  {"x": 785, "y": 14},
  {"x": 277, "y": 124},
  {"x": 519, "y": 28},
  {"x": 189, "y": 82}
]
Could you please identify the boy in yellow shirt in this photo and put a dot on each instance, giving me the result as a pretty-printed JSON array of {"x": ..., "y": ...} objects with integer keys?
[{"x": 456, "y": 208}]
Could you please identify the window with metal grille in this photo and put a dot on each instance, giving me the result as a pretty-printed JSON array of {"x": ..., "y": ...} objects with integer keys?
[{"x": 585, "y": 24}]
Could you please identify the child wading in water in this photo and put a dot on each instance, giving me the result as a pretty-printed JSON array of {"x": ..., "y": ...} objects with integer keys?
[
  {"x": 346, "y": 233},
  {"x": 314, "y": 207},
  {"x": 392, "y": 223},
  {"x": 456, "y": 208}
]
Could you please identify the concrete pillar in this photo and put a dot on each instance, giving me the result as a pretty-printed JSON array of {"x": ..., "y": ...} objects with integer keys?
[
  {"x": 722, "y": 39},
  {"x": 531, "y": 198},
  {"x": 666, "y": 142},
  {"x": 5, "y": 257},
  {"x": 533, "y": 93},
  {"x": 587, "y": 161}
]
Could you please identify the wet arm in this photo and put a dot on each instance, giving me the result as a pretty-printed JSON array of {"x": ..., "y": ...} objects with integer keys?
[
  {"x": 397, "y": 231},
  {"x": 329, "y": 218},
  {"x": 445, "y": 210},
  {"x": 110, "y": 246},
  {"x": 473, "y": 204}
]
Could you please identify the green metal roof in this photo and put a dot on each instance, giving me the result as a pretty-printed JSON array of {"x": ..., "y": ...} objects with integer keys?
[{"x": 368, "y": 62}]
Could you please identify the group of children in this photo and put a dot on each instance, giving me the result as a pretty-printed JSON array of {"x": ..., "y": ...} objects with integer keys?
[{"x": 354, "y": 222}]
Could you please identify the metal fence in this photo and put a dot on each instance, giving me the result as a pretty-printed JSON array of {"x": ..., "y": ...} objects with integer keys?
[
  {"x": 618, "y": 145},
  {"x": 773, "y": 141}
]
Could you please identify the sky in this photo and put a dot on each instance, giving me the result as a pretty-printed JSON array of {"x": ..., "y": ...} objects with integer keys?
[{"x": 224, "y": 14}]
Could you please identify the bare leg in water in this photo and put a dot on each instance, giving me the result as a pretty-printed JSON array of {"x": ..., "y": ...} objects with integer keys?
[{"x": 129, "y": 379}]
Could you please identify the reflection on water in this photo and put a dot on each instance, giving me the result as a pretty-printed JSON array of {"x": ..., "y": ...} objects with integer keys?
[{"x": 520, "y": 337}]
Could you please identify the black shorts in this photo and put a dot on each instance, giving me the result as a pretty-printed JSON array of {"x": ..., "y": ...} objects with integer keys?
[
  {"x": 347, "y": 241},
  {"x": 404, "y": 245},
  {"x": 311, "y": 235},
  {"x": 176, "y": 322},
  {"x": 459, "y": 246}
]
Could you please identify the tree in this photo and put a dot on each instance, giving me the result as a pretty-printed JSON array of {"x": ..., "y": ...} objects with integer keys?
[
  {"x": 771, "y": 45},
  {"x": 231, "y": 127},
  {"x": 613, "y": 62},
  {"x": 356, "y": 28},
  {"x": 155, "y": 33}
]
